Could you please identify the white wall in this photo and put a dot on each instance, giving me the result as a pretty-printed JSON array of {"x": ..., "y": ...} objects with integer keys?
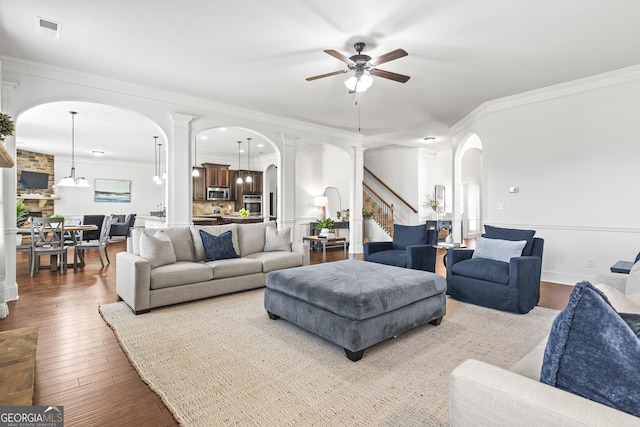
[
  {"x": 146, "y": 195},
  {"x": 319, "y": 166},
  {"x": 572, "y": 150}
]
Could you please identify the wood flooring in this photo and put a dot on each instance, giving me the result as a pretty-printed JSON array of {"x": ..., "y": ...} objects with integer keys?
[{"x": 79, "y": 363}]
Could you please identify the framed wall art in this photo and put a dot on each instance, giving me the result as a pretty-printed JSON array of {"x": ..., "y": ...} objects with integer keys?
[{"x": 112, "y": 190}]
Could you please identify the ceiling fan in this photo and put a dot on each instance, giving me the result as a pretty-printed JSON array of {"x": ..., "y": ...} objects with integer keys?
[{"x": 364, "y": 67}]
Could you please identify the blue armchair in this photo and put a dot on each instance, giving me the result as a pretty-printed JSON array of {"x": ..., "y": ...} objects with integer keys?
[
  {"x": 412, "y": 247},
  {"x": 122, "y": 229},
  {"x": 512, "y": 285}
]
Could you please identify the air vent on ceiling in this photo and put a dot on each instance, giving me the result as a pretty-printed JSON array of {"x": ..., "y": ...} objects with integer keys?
[{"x": 48, "y": 28}]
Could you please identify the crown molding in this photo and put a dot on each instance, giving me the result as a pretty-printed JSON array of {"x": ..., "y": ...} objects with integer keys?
[{"x": 586, "y": 84}]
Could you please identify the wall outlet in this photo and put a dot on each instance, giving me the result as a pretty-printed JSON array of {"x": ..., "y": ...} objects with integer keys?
[
  {"x": 499, "y": 206},
  {"x": 591, "y": 263}
]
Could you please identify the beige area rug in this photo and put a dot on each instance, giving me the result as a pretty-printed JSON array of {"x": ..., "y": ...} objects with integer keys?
[{"x": 221, "y": 361}]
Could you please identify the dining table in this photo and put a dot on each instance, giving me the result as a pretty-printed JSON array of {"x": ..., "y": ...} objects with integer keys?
[{"x": 72, "y": 233}]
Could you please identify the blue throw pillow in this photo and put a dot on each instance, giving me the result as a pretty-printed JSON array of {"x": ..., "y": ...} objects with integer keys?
[
  {"x": 409, "y": 235},
  {"x": 492, "y": 232},
  {"x": 217, "y": 247},
  {"x": 593, "y": 352},
  {"x": 637, "y": 258}
]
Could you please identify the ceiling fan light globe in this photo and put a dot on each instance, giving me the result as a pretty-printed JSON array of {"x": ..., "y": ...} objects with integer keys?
[{"x": 361, "y": 84}]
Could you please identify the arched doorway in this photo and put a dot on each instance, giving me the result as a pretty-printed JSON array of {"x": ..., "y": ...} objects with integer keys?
[
  {"x": 238, "y": 150},
  {"x": 468, "y": 187}
]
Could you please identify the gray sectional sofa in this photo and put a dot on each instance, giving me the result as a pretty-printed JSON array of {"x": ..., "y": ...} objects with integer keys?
[{"x": 167, "y": 266}]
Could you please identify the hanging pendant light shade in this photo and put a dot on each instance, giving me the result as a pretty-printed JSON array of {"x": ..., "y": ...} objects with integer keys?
[
  {"x": 239, "y": 180},
  {"x": 194, "y": 170},
  {"x": 164, "y": 174},
  {"x": 71, "y": 181},
  {"x": 156, "y": 178},
  {"x": 248, "y": 178},
  {"x": 159, "y": 181}
]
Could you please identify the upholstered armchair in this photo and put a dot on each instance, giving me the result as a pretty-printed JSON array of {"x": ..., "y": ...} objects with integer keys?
[
  {"x": 122, "y": 229},
  {"x": 502, "y": 273},
  {"x": 412, "y": 247}
]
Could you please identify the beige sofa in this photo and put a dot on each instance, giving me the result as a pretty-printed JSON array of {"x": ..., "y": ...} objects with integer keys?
[
  {"x": 485, "y": 395},
  {"x": 170, "y": 267}
]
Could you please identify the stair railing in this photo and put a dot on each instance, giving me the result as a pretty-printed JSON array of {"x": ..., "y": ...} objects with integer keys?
[{"x": 382, "y": 212}]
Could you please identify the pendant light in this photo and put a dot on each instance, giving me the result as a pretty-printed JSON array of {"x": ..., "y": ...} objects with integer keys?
[
  {"x": 239, "y": 180},
  {"x": 71, "y": 181},
  {"x": 248, "y": 178},
  {"x": 156, "y": 178},
  {"x": 164, "y": 174},
  {"x": 194, "y": 170},
  {"x": 159, "y": 181}
]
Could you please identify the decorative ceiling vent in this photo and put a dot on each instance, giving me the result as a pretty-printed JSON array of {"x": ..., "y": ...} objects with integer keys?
[{"x": 48, "y": 28}]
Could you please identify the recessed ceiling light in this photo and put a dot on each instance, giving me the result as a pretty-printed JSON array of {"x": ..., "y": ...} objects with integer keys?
[
  {"x": 222, "y": 129},
  {"x": 204, "y": 137},
  {"x": 97, "y": 153},
  {"x": 260, "y": 145},
  {"x": 430, "y": 139}
]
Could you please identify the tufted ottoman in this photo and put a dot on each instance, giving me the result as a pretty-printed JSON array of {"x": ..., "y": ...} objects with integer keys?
[{"x": 355, "y": 304}]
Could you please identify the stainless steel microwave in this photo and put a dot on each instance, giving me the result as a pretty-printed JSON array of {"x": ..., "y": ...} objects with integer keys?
[{"x": 215, "y": 193}]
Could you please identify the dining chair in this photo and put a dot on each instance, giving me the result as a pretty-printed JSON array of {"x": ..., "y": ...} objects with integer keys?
[
  {"x": 47, "y": 238},
  {"x": 100, "y": 244},
  {"x": 71, "y": 220}
]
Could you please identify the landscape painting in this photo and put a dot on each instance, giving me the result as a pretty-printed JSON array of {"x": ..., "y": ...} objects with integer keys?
[{"x": 112, "y": 190}]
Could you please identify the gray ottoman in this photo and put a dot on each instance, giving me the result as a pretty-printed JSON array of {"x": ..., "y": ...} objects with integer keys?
[{"x": 355, "y": 304}]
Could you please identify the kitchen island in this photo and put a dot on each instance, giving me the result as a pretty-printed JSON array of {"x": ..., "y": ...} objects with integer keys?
[{"x": 226, "y": 219}]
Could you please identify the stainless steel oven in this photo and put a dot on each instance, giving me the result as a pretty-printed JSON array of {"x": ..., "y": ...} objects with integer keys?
[{"x": 252, "y": 203}]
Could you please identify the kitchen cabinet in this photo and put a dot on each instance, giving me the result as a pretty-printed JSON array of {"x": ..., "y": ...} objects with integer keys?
[
  {"x": 200, "y": 185},
  {"x": 253, "y": 187},
  {"x": 233, "y": 192},
  {"x": 217, "y": 175}
]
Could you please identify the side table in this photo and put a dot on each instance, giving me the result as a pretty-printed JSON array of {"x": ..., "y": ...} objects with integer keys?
[
  {"x": 447, "y": 247},
  {"x": 324, "y": 240}
]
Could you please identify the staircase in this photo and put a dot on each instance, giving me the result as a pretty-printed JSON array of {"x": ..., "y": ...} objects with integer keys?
[{"x": 382, "y": 211}]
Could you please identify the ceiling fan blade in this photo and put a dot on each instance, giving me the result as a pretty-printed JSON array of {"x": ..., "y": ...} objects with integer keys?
[
  {"x": 398, "y": 53},
  {"x": 326, "y": 75},
  {"x": 389, "y": 75},
  {"x": 339, "y": 56}
]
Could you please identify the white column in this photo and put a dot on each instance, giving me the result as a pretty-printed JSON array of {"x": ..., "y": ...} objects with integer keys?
[
  {"x": 179, "y": 180},
  {"x": 8, "y": 285},
  {"x": 355, "y": 202},
  {"x": 286, "y": 186}
]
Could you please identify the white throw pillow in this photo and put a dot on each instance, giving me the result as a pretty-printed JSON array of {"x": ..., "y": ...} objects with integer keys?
[
  {"x": 157, "y": 249},
  {"x": 277, "y": 240},
  {"x": 618, "y": 300},
  {"x": 499, "y": 250}
]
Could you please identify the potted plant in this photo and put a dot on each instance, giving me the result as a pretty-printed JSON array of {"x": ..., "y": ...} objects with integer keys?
[
  {"x": 21, "y": 214},
  {"x": 325, "y": 226},
  {"x": 21, "y": 218},
  {"x": 6, "y": 126}
]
